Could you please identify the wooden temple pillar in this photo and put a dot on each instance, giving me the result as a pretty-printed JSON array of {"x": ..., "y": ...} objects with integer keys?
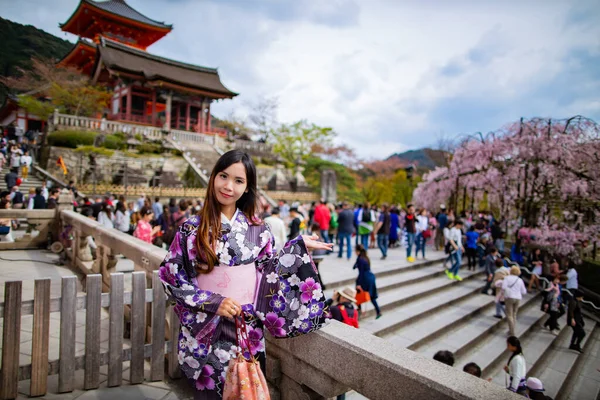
[
  {"x": 202, "y": 118},
  {"x": 199, "y": 121},
  {"x": 128, "y": 106},
  {"x": 208, "y": 119},
  {"x": 187, "y": 116},
  {"x": 153, "y": 118},
  {"x": 178, "y": 115},
  {"x": 168, "y": 111}
]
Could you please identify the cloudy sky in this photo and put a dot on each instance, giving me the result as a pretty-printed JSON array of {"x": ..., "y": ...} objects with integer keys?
[{"x": 387, "y": 75}]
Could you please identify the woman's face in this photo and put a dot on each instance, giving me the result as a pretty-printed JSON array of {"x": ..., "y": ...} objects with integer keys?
[
  {"x": 230, "y": 184},
  {"x": 511, "y": 348},
  {"x": 148, "y": 217}
]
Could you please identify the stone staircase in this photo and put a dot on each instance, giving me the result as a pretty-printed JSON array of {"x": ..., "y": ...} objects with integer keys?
[
  {"x": 425, "y": 312},
  {"x": 32, "y": 181}
]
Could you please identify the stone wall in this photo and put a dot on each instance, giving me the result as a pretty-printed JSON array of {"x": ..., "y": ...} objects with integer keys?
[{"x": 140, "y": 170}]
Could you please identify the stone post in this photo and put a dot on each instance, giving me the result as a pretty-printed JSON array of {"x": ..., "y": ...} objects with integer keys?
[
  {"x": 65, "y": 202},
  {"x": 329, "y": 185}
]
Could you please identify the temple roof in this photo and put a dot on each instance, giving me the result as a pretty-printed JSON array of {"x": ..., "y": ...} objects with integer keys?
[
  {"x": 122, "y": 9},
  {"x": 81, "y": 56},
  {"x": 119, "y": 57}
]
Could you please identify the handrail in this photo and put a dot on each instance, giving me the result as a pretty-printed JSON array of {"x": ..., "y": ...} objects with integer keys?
[
  {"x": 190, "y": 162},
  {"x": 60, "y": 183},
  {"x": 548, "y": 282}
]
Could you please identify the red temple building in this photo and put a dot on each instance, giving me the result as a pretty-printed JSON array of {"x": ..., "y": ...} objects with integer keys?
[{"x": 148, "y": 89}]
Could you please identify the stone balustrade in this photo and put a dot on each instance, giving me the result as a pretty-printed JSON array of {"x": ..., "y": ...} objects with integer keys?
[
  {"x": 191, "y": 137},
  {"x": 66, "y": 121},
  {"x": 252, "y": 146},
  {"x": 110, "y": 242},
  {"x": 36, "y": 224},
  {"x": 340, "y": 358}
]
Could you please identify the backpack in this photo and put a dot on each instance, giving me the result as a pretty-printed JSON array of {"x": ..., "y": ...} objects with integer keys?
[
  {"x": 366, "y": 216},
  {"x": 18, "y": 199},
  {"x": 352, "y": 321}
]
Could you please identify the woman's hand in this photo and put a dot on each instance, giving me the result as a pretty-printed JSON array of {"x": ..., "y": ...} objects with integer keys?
[
  {"x": 573, "y": 322},
  {"x": 229, "y": 308},
  {"x": 312, "y": 243}
]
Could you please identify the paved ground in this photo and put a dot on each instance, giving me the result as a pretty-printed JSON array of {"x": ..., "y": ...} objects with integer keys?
[{"x": 35, "y": 264}]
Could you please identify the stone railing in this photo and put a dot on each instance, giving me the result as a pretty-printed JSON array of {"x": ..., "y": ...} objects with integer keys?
[
  {"x": 66, "y": 121},
  {"x": 191, "y": 137},
  {"x": 339, "y": 358},
  {"x": 35, "y": 226},
  {"x": 109, "y": 242},
  {"x": 252, "y": 146}
]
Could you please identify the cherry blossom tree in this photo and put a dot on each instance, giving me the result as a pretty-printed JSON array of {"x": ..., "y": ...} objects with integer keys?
[{"x": 541, "y": 174}]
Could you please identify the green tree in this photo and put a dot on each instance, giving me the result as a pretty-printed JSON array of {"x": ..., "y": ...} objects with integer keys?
[
  {"x": 64, "y": 88},
  {"x": 294, "y": 142}
]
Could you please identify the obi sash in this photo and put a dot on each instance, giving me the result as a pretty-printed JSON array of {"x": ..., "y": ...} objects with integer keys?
[{"x": 239, "y": 282}]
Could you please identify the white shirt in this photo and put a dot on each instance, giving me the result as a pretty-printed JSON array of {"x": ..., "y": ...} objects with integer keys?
[
  {"x": 105, "y": 221},
  {"x": 513, "y": 287},
  {"x": 15, "y": 160},
  {"x": 26, "y": 160},
  {"x": 121, "y": 221},
  {"x": 517, "y": 369},
  {"x": 422, "y": 223},
  {"x": 278, "y": 229},
  {"x": 45, "y": 193},
  {"x": 572, "y": 279},
  {"x": 456, "y": 235}
]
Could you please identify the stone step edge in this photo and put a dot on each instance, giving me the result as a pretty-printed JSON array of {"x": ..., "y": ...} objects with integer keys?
[
  {"x": 435, "y": 334},
  {"x": 542, "y": 361},
  {"x": 489, "y": 331},
  {"x": 381, "y": 274},
  {"x": 569, "y": 382},
  {"x": 415, "y": 318},
  {"x": 504, "y": 355},
  {"x": 413, "y": 297}
]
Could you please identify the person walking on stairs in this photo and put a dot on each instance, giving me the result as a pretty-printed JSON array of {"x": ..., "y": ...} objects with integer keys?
[
  {"x": 514, "y": 290},
  {"x": 490, "y": 269},
  {"x": 456, "y": 249},
  {"x": 366, "y": 278},
  {"x": 552, "y": 306},
  {"x": 472, "y": 237},
  {"x": 410, "y": 225},
  {"x": 516, "y": 368},
  {"x": 576, "y": 321}
]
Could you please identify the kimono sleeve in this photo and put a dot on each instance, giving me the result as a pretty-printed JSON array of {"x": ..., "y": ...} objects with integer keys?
[
  {"x": 196, "y": 308},
  {"x": 290, "y": 299}
]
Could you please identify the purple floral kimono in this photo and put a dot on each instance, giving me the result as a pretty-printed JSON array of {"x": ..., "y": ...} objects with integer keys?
[{"x": 289, "y": 298}]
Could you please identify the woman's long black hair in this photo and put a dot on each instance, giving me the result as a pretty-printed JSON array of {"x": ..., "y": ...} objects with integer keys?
[
  {"x": 362, "y": 253},
  {"x": 515, "y": 342},
  {"x": 210, "y": 215}
]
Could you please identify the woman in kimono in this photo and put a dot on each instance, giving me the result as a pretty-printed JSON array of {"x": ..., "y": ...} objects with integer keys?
[{"x": 222, "y": 265}]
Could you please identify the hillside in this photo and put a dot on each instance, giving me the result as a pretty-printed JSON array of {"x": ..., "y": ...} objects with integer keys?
[
  {"x": 19, "y": 43},
  {"x": 423, "y": 159}
]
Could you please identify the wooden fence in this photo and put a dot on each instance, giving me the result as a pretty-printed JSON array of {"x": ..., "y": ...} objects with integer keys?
[{"x": 93, "y": 358}]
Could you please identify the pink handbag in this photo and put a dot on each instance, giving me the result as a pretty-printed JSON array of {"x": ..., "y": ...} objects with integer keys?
[{"x": 244, "y": 379}]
